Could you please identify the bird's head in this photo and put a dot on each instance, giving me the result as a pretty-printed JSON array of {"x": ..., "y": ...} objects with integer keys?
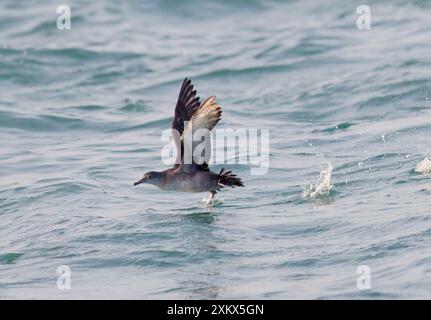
[{"x": 151, "y": 177}]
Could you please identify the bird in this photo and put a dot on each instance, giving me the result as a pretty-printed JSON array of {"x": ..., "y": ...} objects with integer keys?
[{"x": 192, "y": 175}]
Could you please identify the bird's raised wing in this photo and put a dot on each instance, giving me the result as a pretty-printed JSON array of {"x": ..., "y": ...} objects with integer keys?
[
  {"x": 196, "y": 138},
  {"x": 187, "y": 104}
]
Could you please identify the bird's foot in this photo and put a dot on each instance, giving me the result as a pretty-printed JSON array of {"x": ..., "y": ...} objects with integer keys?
[{"x": 211, "y": 200}]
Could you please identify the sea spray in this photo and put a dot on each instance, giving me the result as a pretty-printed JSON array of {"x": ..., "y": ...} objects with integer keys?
[
  {"x": 208, "y": 202},
  {"x": 424, "y": 167},
  {"x": 323, "y": 185}
]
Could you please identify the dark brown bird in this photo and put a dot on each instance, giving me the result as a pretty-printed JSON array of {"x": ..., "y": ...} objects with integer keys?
[{"x": 191, "y": 173}]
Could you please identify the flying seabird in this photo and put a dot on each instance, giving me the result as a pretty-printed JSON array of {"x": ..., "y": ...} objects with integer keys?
[{"x": 192, "y": 175}]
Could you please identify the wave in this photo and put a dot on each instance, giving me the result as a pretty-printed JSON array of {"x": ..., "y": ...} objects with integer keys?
[{"x": 45, "y": 123}]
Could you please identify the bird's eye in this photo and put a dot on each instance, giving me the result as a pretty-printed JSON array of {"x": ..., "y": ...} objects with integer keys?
[{"x": 150, "y": 176}]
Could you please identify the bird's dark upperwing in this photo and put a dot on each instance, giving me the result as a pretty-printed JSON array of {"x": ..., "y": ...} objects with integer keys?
[{"x": 187, "y": 104}]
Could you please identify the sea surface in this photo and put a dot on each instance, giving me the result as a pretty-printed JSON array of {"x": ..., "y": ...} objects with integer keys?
[{"x": 82, "y": 112}]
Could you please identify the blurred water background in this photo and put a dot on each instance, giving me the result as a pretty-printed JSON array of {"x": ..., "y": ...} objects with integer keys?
[{"x": 82, "y": 112}]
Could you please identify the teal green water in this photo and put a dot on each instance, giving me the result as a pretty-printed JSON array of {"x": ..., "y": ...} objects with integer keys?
[{"x": 82, "y": 112}]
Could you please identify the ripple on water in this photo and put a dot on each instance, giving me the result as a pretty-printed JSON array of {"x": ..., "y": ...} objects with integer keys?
[
  {"x": 46, "y": 123},
  {"x": 10, "y": 258},
  {"x": 81, "y": 113}
]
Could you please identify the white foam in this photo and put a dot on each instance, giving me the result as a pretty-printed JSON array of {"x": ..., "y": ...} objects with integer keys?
[
  {"x": 211, "y": 202},
  {"x": 424, "y": 167},
  {"x": 322, "y": 186}
]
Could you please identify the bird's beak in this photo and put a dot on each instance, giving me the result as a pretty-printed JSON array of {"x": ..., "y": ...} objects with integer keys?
[{"x": 140, "y": 181}]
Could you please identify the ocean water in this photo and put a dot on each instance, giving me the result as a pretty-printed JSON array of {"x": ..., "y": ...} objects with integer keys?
[{"x": 81, "y": 116}]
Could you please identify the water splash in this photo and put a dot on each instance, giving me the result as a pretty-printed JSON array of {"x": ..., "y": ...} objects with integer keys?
[
  {"x": 323, "y": 185},
  {"x": 424, "y": 167},
  {"x": 209, "y": 202}
]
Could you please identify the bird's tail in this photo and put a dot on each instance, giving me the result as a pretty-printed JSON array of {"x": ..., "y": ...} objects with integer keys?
[{"x": 228, "y": 179}]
